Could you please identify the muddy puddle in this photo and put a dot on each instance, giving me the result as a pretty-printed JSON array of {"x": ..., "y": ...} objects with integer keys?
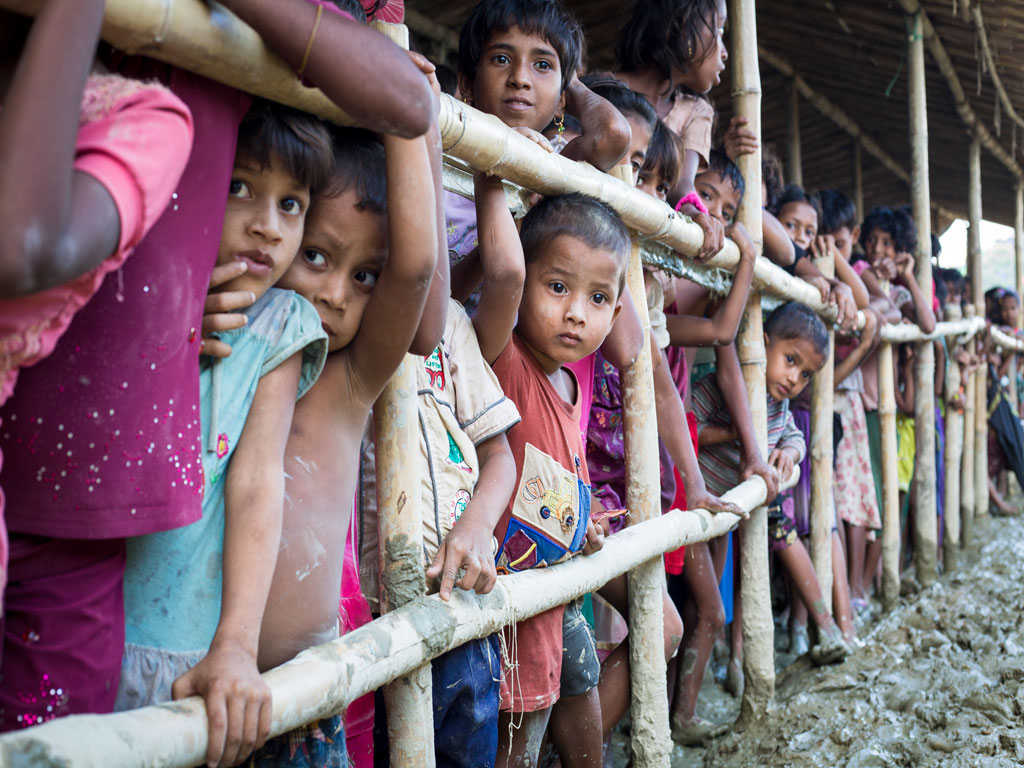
[{"x": 938, "y": 682}]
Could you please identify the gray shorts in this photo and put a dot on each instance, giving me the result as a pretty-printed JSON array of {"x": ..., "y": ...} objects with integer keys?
[
  {"x": 580, "y": 668},
  {"x": 147, "y": 675}
]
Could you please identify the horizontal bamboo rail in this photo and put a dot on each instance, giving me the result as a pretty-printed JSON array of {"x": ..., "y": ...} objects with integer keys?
[
  {"x": 902, "y": 334},
  {"x": 1003, "y": 340},
  {"x": 323, "y": 680}
]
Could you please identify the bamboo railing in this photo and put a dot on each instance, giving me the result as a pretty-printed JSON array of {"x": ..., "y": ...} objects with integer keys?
[{"x": 399, "y": 645}]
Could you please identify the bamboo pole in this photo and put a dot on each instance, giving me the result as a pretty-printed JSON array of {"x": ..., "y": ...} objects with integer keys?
[
  {"x": 1005, "y": 341},
  {"x": 967, "y": 485},
  {"x": 904, "y": 333},
  {"x": 794, "y": 163},
  {"x": 963, "y": 106},
  {"x": 954, "y": 453},
  {"x": 890, "y": 477},
  {"x": 822, "y": 409},
  {"x": 858, "y": 179},
  {"x": 1018, "y": 246},
  {"x": 326, "y": 679},
  {"x": 974, "y": 254},
  {"x": 926, "y": 510},
  {"x": 758, "y": 630},
  {"x": 651, "y": 741}
]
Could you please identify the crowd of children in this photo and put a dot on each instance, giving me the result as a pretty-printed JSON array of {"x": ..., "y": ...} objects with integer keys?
[{"x": 189, "y": 376}]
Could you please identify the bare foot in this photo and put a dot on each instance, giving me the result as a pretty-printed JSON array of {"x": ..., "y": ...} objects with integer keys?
[{"x": 696, "y": 731}]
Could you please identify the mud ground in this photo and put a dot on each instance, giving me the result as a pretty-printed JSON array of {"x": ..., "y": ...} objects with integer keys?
[{"x": 937, "y": 682}]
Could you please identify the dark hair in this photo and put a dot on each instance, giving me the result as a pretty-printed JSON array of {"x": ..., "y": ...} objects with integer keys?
[
  {"x": 794, "y": 193},
  {"x": 794, "y": 320},
  {"x": 774, "y": 178},
  {"x": 548, "y": 19},
  {"x": 1010, "y": 294},
  {"x": 720, "y": 163},
  {"x": 585, "y": 218},
  {"x": 897, "y": 223},
  {"x": 941, "y": 292},
  {"x": 666, "y": 35},
  {"x": 936, "y": 246},
  {"x": 571, "y": 124},
  {"x": 837, "y": 211},
  {"x": 953, "y": 276},
  {"x": 621, "y": 96},
  {"x": 664, "y": 155},
  {"x": 447, "y": 79},
  {"x": 359, "y": 165},
  {"x": 296, "y": 140},
  {"x": 353, "y": 8}
]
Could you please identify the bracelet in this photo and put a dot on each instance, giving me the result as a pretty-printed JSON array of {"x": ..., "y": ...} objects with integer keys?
[
  {"x": 312, "y": 37},
  {"x": 693, "y": 199}
]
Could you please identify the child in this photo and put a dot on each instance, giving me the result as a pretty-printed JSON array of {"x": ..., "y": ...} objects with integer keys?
[
  {"x": 366, "y": 262},
  {"x": 89, "y": 162},
  {"x": 796, "y": 346},
  {"x": 204, "y": 586},
  {"x": 637, "y": 111},
  {"x": 575, "y": 250},
  {"x": 661, "y": 165},
  {"x": 675, "y": 71}
]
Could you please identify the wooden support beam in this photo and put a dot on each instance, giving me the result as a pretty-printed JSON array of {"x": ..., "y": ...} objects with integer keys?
[
  {"x": 890, "y": 476},
  {"x": 822, "y": 409},
  {"x": 963, "y": 106},
  {"x": 974, "y": 262},
  {"x": 651, "y": 741},
  {"x": 1018, "y": 246},
  {"x": 794, "y": 163},
  {"x": 925, "y": 507},
  {"x": 990, "y": 62},
  {"x": 953, "y": 452},
  {"x": 758, "y": 629}
]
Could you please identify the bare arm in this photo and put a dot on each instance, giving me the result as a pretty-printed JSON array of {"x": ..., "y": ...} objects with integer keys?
[
  {"x": 714, "y": 232},
  {"x": 393, "y": 312},
  {"x": 57, "y": 223},
  {"x": 606, "y": 132},
  {"x": 237, "y": 700},
  {"x": 500, "y": 256},
  {"x": 777, "y": 245},
  {"x": 921, "y": 312},
  {"x": 867, "y": 342},
  {"x": 468, "y": 544},
  {"x": 364, "y": 73}
]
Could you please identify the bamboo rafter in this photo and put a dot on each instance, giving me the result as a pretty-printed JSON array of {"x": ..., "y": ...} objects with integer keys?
[{"x": 990, "y": 63}]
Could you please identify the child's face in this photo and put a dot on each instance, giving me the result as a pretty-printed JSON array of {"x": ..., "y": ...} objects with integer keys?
[
  {"x": 705, "y": 74},
  {"x": 953, "y": 296},
  {"x": 801, "y": 222},
  {"x": 651, "y": 181},
  {"x": 720, "y": 197},
  {"x": 791, "y": 365},
  {"x": 845, "y": 238},
  {"x": 1010, "y": 311},
  {"x": 879, "y": 245},
  {"x": 262, "y": 224},
  {"x": 518, "y": 79},
  {"x": 640, "y": 140},
  {"x": 570, "y": 299},
  {"x": 342, "y": 254}
]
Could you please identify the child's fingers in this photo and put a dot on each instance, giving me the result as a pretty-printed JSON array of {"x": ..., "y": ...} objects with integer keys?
[
  {"x": 263, "y": 725},
  {"x": 434, "y": 569},
  {"x": 236, "y": 706},
  {"x": 229, "y": 301},
  {"x": 426, "y": 65},
  {"x": 224, "y": 273},
  {"x": 214, "y": 348},
  {"x": 217, "y": 718},
  {"x": 250, "y": 727},
  {"x": 471, "y": 575},
  {"x": 223, "y": 321}
]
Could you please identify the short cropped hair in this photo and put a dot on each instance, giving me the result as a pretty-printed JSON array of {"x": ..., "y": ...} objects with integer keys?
[
  {"x": 794, "y": 193},
  {"x": 548, "y": 19},
  {"x": 272, "y": 133},
  {"x": 898, "y": 224},
  {"x": 585, "y": 218},
  {"x": 666, "y": 34},
  {"x": 621, "y": 96},
  {"x": 664, "y": 154},
  {"x": 720, "y": 163},
  {"x": 794, "y": 320},
  {"x": 837, "y": 211},
  {"x": 359, "y": 165},
  {"x": 953, "y": 276}
]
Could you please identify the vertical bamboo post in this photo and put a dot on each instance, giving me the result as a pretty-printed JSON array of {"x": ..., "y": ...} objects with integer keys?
[
  {"x": 954, "y": 451},
  {"x": 925, "y": 517},
  {"x": 408, "y": 699},
  {"x": 978, "y": 291},
  {"x": 794, "y": 161},
  {"x": 967, "y": 486},
  {"x": 1018, "y": 249},
  {"x": 651, "y": 741},
  {"x": 758, "y": 630},
  {"x": 890, "y": 474},
  {"x": 858, "y": 179},
  {"x": 822, "y": 408}
]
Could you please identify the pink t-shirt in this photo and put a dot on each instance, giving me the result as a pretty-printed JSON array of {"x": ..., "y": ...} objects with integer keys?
[{"x": 102, "y": 439}]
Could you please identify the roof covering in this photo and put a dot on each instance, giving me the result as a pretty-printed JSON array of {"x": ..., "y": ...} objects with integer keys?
[{"x": 853, "y": 53}]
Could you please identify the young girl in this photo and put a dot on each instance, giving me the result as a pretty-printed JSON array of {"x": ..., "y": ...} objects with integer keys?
[
  {"x": 674, "y": 75},
  {"x": 90, "y": 161}
]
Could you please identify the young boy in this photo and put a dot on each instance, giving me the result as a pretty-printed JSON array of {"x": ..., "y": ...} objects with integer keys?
[
  {"x": 365, "y": 264},
  {"x": 575, "y": 250},
  {"x": 796, "y": 347},
  {"x": 204, "y": 586}
]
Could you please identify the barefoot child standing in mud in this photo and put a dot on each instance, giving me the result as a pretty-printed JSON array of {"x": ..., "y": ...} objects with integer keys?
[{"x": 796, "y": 347}]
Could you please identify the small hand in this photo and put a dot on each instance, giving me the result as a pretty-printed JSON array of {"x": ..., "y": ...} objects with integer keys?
[
  {"x": 885, "y": 269},
  {"x": 739, "y": 235},
  {"x": 221, "y": 312},
  {"x": 738, "y": 139},
  {"x": 846, "y": 306},
  {"x": 822, "y": 284},
  {"x": 238, "y": 705},
  {"x": 756, "y": 466},
  {"x": 904, "y": 265},
  {"x": 782, "y": 460},
  {"x": 714, "y": 232},
  {"x": 535, "y": 136},
  {"x": 824, "y": 245},
  {"x": 714, "y": 505},
  {"x": 426, "y": 66},
  {"x": 595, "y": 538},
  {"x": 467, "y": 546}
]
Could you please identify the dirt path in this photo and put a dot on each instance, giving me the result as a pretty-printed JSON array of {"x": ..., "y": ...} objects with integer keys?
[{"x": 940, "y": 681}]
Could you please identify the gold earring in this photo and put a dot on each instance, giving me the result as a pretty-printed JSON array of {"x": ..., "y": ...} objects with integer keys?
[{"x": 560, "y": 123}]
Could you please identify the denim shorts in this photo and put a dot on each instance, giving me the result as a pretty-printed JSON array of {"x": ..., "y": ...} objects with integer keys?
[
  {"x": 581, "y": 669},
  {"x": 465, "y": 696}
]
